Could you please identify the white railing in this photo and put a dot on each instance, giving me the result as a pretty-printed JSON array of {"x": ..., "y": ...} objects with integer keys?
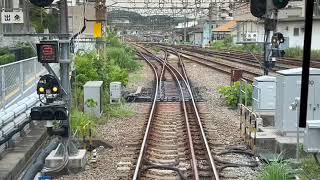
[{"x": 18, "y": 80}]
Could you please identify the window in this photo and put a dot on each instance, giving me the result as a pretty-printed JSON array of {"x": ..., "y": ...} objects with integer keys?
[{"x": 296, "y": 32}]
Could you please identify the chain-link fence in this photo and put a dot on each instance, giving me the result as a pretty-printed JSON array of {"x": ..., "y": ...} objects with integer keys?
[{"x": 19, "y": 79}]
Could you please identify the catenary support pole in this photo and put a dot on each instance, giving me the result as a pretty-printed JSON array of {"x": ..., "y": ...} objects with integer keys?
[
  {"x": 65, "y": 59},
  {"x": 306, "y": 63}
]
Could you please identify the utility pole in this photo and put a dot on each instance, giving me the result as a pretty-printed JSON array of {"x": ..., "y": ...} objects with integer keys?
[
  {"x": 65, "y": 61},
  {"x": 185, "y": 29},
  {"x": 100, "y": 23}
]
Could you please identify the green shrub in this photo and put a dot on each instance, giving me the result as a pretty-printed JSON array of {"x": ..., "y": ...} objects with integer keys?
[
  {"x": 297, "y": 52},
  {"x": 27, "y": 50},
  {"x": 119, "y": 111},
  {"x": 276, "y": 171},
  {"x": 7, "y": 58},
  {"x": 86, "y": 69},
  {"x": 4, "y": 51},
  {"x": 82, "y": 124},
  {"x": 232, "y": 94},
  {"x": 310, "y": 168},
  {"x": 218, "y": 45},
  {"x": 294, "y": 52},
  {"x": 122, "y": 57},
  {"x": 118, "y": 74}
]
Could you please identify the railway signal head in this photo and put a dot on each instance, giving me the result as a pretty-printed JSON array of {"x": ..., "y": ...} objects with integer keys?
[
  {"x": 258, "y": 8},
  {"x": 41, "y": 3},
  {"x": 48, "y": 84},
  {"x": 279, "y": 4},
  {"x": 277, "y": 39}
]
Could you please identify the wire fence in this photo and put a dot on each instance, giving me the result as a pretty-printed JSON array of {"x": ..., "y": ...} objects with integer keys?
[{"x": 19, "y": 79}]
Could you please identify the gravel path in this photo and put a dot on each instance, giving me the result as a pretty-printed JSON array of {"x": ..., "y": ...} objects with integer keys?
[
  {"x": 120, "y": 133},
  {"x": 224, "y": 120}
]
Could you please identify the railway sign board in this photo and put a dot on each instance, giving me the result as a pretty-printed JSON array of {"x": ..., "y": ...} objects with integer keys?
[{"x": 15, "y": 17}]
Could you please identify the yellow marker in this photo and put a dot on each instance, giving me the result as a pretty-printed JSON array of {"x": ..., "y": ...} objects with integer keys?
[
  {"x": 41, "y": 89},
  {"x": 97, "y": 30},
  {"x": 55, "y": 89}
]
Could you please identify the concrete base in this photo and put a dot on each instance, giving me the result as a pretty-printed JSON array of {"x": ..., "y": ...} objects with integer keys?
[
  {"x": 15, "y": 159},
  {"x": 270, "y": 141},
  {"x": 76, "y": 163},
  {"x": 267, "y": 118}
]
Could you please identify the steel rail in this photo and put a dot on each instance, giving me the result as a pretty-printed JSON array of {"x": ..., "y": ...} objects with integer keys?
[
  {"x": 144, "y": 142},
  {"x": 223, "y": 70},
  {"x": 185, "y": 79},
  {"x": 191, "y": 146},
  {"x": 193, "y": 156}
]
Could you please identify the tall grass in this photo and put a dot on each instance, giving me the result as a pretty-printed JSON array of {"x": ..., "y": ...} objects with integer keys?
[{"x": 276, "y": 171}]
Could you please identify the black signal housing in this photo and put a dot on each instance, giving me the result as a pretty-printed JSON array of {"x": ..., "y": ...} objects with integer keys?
[{"x": 48, "y": 52}]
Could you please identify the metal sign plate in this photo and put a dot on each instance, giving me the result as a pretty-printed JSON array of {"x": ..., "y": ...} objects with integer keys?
[{"x": 15, "y": 17}]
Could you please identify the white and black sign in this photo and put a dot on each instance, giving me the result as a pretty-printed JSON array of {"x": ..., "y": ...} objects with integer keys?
[{"x": 12, "y": 17}]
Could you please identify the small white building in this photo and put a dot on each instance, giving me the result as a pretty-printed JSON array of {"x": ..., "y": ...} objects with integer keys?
[{"x": 292, "y": 28}]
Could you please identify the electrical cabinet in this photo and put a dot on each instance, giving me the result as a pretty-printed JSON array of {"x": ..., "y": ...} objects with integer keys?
[
  {"x": 311, "y": 141},
  {"x": 115, "y": 92},
  {"x": 93, "y": 97},
  {"x": 264, "y": 93},
  {"x": 288, "y": 86}
]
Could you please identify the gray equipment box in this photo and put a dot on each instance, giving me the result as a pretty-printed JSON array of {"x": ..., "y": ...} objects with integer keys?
[
  {"x": 264, "y": 93},
  {"x": 115, "y": 92},
  {"x": 311, "y": 141},
  {"x": 94, "y": 90},
  {"x": 288, "y": 87}
]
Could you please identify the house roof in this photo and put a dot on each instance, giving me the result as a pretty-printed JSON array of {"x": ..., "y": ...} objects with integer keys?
[{"x": 227, "y": 27}]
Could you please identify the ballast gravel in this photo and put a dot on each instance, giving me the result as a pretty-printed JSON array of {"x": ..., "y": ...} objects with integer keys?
[
  {"x": 225, "y": 121},
  {"x": 121, "y": 132}
]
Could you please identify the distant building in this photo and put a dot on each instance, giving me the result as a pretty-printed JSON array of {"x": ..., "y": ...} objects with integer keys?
[
  {"x": 10, "y": 5},
  {"x": 225, "y": 30},
  {"x": 76, "y": 17}
]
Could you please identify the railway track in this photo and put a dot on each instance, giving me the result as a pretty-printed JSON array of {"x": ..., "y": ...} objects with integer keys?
[
  {"x": 217, "y": 65},
  {"x": 174, "y": 144},
  {"x": 253, "y": 60}
]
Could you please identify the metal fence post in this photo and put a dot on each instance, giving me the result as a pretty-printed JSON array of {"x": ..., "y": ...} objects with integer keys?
[
  {"x": 21, "y": 78},
  {"x": 3, "y": 85}
]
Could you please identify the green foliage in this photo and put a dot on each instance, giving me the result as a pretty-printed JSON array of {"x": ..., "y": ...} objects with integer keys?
[
  {"x": 41, "y": 19},
  {"x": 310, "y": 169},
  {"x": 119, "y": 111},
  {"x": 122, "y": 57},
  {"x": 112, "y": 40},
  {"x": 227, "y": 44},
  {"x": 82, "y": 124},
  {"x": 26, "y": 50},
  {"x": 7, "y": 58},
  {"x": 86, "y": 68},
  {"x": 91, "y": 103},
  {"x": 232, "y": 94},
  {"x": 294, "y": 52},
  {"x": 297, "y": 52},
  {"x": 4, "y": 51},
  {"x": 276, "y": 171},
  {"x": 118, "y": 74}
]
